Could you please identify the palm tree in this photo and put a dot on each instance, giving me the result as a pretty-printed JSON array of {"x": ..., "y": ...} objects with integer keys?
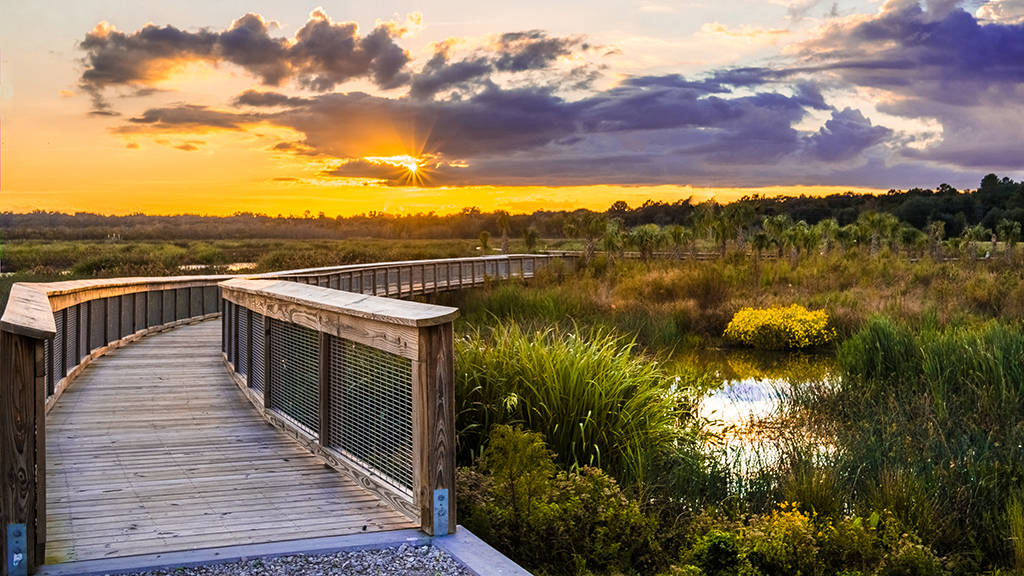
[
  {"x": 848, "y": 236},
  {"x": 760, "y": 241},
  {"x": 592, "y": 228},
  {"x": 739, "y": 215},
  {"x": 680, "y": 236},
  {"x": 485, "y": 238},
  {"x": 504, "y": 226},
  {"x": 1009, "y": 231},
  {"x": 531, "y": 237},
  {"x": 972, "y": 234},
  {"x": 612, "y": 240},
  {"x": 646, "y": 239},
  {"x": 775, "y": 227},
  {"x": 797, "y": 237},
  {"x": 936, "y": 230},
  {"x": 827, "y": 229},
  {"x": 879, "y": 226}
]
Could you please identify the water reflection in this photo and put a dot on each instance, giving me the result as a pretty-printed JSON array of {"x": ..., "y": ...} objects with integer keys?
[
  {"x": 738, "y": 402},
  {"x": 756, "y": 385}
]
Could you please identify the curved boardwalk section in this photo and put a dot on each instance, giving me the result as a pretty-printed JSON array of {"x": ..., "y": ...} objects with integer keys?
[{"x": 154, "y": 449}]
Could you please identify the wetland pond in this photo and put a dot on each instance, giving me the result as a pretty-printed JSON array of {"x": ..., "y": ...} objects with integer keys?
[{"x": 752, "y": 411}]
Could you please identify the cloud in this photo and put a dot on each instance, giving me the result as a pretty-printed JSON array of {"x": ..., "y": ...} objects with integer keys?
[
  {"x": 322, "y": 54},
  {"x": 934, "y": 62},
  {"x": 747, "y": 34},
  {"x": 846, "y": 136},
  {"x": 940, "y": 54},
  {"x": 511, "y": 53},
  {"x": 520, "y": 108},
  {"x": 187, "y": 118}
]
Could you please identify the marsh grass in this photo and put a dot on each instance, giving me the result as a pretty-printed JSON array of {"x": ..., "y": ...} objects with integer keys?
[
  {"x": 932, "y": 424},
  {"x": 595, "y": 402}
]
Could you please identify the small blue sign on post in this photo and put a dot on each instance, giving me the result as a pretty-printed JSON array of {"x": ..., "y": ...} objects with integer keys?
[
  {"x": 441, "y": 512},
  {"x": 17, "y": 550}
]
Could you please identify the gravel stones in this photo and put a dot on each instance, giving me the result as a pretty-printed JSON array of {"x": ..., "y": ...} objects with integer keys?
[{"x": 402, "y": 561}]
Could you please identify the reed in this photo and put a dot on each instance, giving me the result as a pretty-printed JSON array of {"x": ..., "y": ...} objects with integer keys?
[
  {"x": 595, "y": 402},
  {"x": 933, "y": 423}
]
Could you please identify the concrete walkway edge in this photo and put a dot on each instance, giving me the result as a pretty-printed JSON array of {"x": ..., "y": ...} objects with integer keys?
[{"x": 466, "y": 548}]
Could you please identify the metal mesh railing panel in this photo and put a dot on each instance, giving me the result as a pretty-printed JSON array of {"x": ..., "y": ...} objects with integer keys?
[
  {"x": 294, "y": 381},
  {"x": 371, "y": 409},
  {"x": 243, "y": 342},
  {"x": 58, "y": 347},
  {"x": 113, "y": 319},
  {"x": 127, "y": 315},
  {"x": 141, "y": 312},
  {"x": 97, "y": 323},
  {"x": 71, "y": 326},
  {"x": 257, "y": 375},
  {"x": 167, "y": 306},
  {"x": 48, "y": 363},
  {"x": 83, "y": 331},
  {"x": 182, "y": 301}
]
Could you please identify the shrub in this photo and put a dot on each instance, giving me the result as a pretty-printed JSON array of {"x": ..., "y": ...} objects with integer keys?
[
  {"x": 780, "y": 327},
  {"x": 782, "y": 543},
  {"x": 544, "y": 518}
]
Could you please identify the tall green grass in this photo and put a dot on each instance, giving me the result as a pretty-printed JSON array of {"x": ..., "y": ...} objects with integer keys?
[
  {"x": 595, "y": 402},
  {"x": 931, "y": 429}
]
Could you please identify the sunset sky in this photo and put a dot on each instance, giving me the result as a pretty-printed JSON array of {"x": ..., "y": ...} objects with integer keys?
[{"x": 117, "y": 106}]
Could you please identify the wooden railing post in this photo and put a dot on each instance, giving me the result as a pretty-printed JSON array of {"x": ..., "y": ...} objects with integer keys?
[
  {"x": 26, "y": 325},
  {"x": 433, "y": 430}
]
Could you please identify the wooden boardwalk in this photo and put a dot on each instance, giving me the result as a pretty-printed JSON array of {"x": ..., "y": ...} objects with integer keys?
[{"x": 154, "y": 449}]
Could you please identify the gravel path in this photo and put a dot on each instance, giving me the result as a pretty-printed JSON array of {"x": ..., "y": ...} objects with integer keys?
[{"x": 402, "y": 561}]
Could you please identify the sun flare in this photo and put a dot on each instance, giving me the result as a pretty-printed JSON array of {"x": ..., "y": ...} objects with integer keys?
[{"x": 406, "y": 161}]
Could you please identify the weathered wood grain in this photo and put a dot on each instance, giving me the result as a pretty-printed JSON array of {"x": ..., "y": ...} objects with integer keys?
[
  {"x": 197, "y": 467},
  {"x": 434, "y": 426},
  {"x": 22, "y": 408},
  {"x": 383, "y": 310},
  {"x": 390, "y": 325},
  {"x": 28, "y": 312}
]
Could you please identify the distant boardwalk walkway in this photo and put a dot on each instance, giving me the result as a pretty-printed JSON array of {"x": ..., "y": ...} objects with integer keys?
[{"x": 154, "y": 449}]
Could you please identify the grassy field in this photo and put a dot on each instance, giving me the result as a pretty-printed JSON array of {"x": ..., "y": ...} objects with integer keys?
[{"x": 44, "y": 261}]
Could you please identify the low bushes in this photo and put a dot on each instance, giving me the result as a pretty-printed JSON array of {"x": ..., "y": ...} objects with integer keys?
[
  {"x": 780, "y": 327},
  {"x": 545, "y": 518}
]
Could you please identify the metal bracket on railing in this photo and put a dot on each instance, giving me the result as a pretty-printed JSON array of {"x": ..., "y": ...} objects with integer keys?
[
  {"x": 17, "y": 555},
  {"x": 441, "y": 512}
]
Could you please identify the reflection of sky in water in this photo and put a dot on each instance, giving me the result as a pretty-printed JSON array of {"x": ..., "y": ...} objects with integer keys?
[{"x": 736, "y": 402}]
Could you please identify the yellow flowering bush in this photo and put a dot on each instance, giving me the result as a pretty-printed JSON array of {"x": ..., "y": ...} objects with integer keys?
[{"x": 780, "y": 327}]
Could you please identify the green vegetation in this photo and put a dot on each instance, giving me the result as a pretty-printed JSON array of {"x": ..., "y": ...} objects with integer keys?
[
  {"x": 911, "y": 464},
  {"x": 595, "y": 402}
]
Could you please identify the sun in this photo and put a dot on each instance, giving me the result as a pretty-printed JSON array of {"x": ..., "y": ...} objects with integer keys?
[
  {"x": 416, "y": 168},
  {"x": 410, "y": 163}
]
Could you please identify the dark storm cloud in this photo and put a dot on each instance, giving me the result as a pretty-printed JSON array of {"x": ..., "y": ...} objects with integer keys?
[
  {"x": 846, "y": 136},
  {"x": 914, "y": 53},
  {"x": 322, "y": 55},
  {"x": 363, "y": 169},
  {"x": 187, "y": 117},
  {"x": 513, "y": 52},
  {"x": 533, "y": 50}
]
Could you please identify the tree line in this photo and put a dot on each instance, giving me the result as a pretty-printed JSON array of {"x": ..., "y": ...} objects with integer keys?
[{"x": 941, "y": 214}]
